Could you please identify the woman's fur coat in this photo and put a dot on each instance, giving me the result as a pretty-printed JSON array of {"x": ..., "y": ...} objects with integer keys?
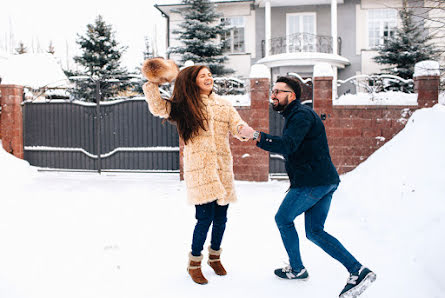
[{"x": 208, "y": 162}]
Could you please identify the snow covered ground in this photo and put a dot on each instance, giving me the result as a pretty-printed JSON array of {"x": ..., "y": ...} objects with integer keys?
[{"x": 84, "y": 235}]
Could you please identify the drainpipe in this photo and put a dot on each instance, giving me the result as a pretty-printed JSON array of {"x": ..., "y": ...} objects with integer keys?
[
  {"x": 168, "y": 28},
  {"x": 268, "y": 26}
]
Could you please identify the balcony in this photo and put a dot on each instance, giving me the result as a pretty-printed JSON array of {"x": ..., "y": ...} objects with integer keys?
[
  {"x": 302, "y": 49},
  {"x": 300, "y": 42}
]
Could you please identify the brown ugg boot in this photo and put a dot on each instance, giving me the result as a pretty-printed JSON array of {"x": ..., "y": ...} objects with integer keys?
[
  {"x": 194, "y": 269},
  {"x": 215, "y": 262}
]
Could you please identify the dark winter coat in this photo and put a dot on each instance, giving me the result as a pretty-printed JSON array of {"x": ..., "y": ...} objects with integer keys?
[{"x": 304, "y": 146}]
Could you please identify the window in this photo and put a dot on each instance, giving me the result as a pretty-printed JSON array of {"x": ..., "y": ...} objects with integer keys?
[
  {"x": 300, "y": 32},
  {"x": 382, "y": 23},
  {"x": 235, "y": 38}
]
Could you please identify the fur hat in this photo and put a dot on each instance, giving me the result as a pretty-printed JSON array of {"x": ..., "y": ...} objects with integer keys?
[{"x": 159, "y": 70}]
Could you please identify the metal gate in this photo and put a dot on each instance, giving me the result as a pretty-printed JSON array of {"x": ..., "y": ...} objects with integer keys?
[
  {"x": 115, "y": 135},
  {"x": 276, "y": 124}
]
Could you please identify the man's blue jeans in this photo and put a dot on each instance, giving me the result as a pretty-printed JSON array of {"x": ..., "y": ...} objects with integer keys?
[
  {"x": 207, "y": 214},
  {"x": 315, "y": 203}
]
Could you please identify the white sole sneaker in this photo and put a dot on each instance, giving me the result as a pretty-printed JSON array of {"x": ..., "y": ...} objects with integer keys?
[{"x": 361, "y": 287}]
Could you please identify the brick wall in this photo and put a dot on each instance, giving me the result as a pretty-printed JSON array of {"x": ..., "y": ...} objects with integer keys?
[
  {"x": 11, "y": 124},
  {"x": 355, "y": 132},
  {"x": 249, "y": 162}
]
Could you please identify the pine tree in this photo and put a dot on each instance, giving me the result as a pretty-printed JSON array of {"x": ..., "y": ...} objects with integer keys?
[
  {"x": 201, "y": 33},
  {"x": 21, "y": 49},
  {"x": 101, "y": 61},
  {"x": 409, "y": 46}
]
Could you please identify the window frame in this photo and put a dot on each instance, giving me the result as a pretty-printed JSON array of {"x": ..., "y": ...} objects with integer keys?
[
  {"x": 241, "y": 25},
  {"x": 301, "y": 24},
  {"x": 381, "y": 26}
]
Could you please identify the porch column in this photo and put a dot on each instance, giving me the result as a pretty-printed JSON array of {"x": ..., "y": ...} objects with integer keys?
[
  {"x": 267, "y": 23},
  {"x": 334, "y": 27},
  {"x": 334, "y": 44}
]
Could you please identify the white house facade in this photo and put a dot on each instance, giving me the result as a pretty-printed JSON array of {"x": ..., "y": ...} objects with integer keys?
[{"x": 294, "y": 35}]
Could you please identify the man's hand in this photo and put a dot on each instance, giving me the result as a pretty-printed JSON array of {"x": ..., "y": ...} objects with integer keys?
[{"x": 246, "y": 132}]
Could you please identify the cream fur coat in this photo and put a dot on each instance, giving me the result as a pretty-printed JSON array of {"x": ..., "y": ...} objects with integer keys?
[{"x": 208, "y": 162}]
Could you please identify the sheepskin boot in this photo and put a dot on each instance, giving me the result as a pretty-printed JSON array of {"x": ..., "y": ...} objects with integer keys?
[
  {"x": 215, "y": 262},
  {"x": 194, "y": 269}
]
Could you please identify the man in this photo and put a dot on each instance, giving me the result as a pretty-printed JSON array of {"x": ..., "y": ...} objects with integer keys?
[{"x": 313, "y": 181}]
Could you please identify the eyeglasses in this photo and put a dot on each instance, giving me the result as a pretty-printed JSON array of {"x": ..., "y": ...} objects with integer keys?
[{"x": 276, "y": 91}]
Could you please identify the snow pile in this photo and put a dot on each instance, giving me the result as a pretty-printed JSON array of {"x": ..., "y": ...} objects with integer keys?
[
  {"x": 259, "y": 71},
  {"x": 426, "y": 68},
  {"x": 398, "y": 194},
  {"x": 33, "y": 70},
  {"x": 13, "y": 170},
  {"x": 323, "y": 70},
  {"x": 381, "y": 98},
  {"x": 442, "y": 98}
]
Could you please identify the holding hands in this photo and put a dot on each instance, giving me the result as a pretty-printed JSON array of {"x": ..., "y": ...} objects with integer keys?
[{"x": 247, "y": 132}]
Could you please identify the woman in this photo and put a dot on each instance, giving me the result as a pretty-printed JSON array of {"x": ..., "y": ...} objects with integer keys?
[{"x": 204, "y": 121}]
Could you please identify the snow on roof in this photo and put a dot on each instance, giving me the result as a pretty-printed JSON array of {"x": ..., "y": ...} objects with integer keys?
[
  {"x": 426, "y": 68},
  {"x": 33, "y": 70}
]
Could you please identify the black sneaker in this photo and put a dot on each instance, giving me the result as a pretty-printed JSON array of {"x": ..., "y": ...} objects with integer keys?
[
  {"x": 357, "y": 283},
  {"x": 288, "y": 273}
]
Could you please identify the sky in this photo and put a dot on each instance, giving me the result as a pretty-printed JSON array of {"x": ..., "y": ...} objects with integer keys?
[
  {"x": 39, "y": 22},
  {"x": 120, "y": 235}
]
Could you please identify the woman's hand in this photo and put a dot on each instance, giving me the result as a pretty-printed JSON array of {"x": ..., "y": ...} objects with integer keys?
[{"x": 246, "y": 132}]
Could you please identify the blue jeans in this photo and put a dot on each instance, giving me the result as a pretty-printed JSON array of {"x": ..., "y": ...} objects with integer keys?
[
  {"x": 315, "y": 203},
  {"x": 207, "y": 214}
]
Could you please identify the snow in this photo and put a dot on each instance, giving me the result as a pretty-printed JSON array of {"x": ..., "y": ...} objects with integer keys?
[
  {"x": 120, "y": 235},
  {"x": 323, "y": 70},
  {"x": 426, "y": 68},
  {"x": 258, "y": 71},
  {"x": 381, "y": 98},
  {"x": 241, "y": 100},
  {"x": 33, "y": 70}
]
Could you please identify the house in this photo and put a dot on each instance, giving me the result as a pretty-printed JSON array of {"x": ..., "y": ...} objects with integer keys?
[{"x": 294, "y": 35}]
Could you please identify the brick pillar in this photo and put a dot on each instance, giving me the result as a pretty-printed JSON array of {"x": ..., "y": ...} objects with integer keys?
[
  {"x": 12, "y": 120},
  {"x": 322, "y": 90},
  {"x": 427, "y": 89},
  {"x": 249, "y": 162},
  {"x": 426, "y": 83}
]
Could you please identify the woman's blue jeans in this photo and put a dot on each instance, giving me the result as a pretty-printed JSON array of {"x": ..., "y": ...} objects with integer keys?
[
  {"x": 315, "y": 203},
  {"x": 207, "y": 214}
]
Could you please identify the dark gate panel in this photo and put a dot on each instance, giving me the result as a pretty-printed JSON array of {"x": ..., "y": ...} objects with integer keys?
[
  {"x": 62, "y": 135},
  {"x": 276, "y": 124}
]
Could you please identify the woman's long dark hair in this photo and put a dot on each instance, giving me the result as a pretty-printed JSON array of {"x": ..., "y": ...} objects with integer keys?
[{"x": 187, "y": 108}]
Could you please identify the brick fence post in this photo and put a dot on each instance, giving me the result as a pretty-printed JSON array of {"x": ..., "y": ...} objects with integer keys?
[
  {"x": 322, "y": 90},
  {"x": 249, "y": 162},
  {"x": 426, "y": 83},
  {"x": 11, "y": 125}
]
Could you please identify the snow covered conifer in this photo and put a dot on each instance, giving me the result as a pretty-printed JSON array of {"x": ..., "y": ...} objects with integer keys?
[
  {"x": 100, "y": 58},
  {"x": 409, "y": 45},
  {"x": 200, "y": 33}
]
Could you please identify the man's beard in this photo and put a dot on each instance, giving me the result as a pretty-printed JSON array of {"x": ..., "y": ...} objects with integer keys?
[{"x": 280, "y": 107}]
